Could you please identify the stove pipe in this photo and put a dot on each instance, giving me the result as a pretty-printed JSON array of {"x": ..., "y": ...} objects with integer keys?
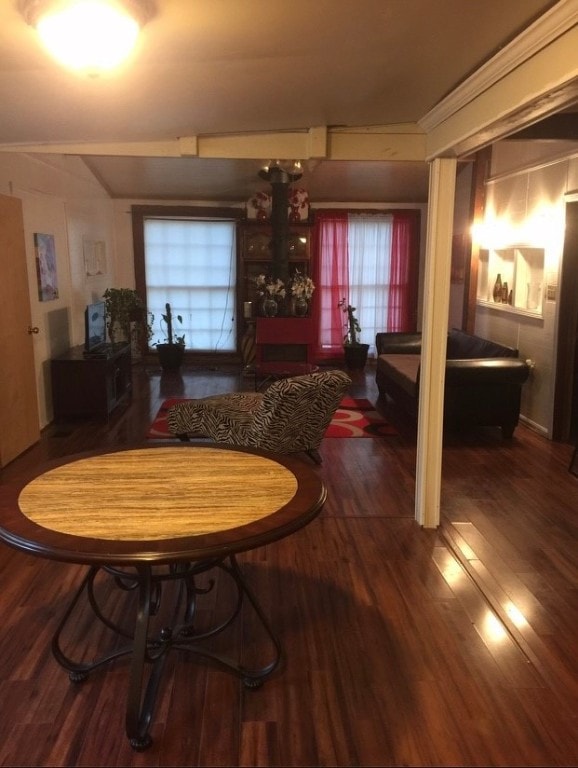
[{"x": 279, "y": 180}]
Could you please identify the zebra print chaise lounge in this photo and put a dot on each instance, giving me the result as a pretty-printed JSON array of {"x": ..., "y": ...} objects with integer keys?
[{"x": 290, "y": 416}]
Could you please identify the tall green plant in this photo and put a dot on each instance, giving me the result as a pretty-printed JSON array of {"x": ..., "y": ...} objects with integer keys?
[
  {"x": 351, "y": 338},
  {"x": 167, "y": 319}
]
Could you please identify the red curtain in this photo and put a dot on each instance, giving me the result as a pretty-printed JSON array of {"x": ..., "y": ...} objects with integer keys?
[
  {"x": 331, "y": 277},
  {"x": 331, "y": 280},
  {"x": 403, "y": 275}
]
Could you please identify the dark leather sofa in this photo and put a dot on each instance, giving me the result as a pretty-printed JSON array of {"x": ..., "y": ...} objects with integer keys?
[{"x": 483, "y": 380}]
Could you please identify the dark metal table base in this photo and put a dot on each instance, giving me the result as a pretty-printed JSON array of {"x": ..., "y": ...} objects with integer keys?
[{"x": 152, "y": 651}]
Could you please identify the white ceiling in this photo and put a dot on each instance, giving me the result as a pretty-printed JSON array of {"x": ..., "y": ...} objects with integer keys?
[{"x": 214, "y": 67}]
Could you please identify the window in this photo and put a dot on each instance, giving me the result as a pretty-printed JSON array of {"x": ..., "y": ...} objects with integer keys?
[
  {"x": 191, "y": 264},
  {"x": 371, "y": 260},
  {"x": 369, "y": 245}
]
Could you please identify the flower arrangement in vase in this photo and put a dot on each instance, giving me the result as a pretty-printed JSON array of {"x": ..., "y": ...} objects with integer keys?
[
  {"x": 302, "y": 288},
  {"x": 272, "y": 290}
]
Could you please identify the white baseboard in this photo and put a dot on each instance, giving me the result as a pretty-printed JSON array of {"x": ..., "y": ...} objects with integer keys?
[{"x": 534, "y": 427}]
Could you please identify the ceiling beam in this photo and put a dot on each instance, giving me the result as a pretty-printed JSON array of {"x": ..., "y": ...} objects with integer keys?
[
  {"x": 402, "y": 143},
  {"x": 171, "y": 148}
]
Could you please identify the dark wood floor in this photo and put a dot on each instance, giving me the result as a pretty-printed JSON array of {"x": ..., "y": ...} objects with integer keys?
[{"x": 403, "y": 646}]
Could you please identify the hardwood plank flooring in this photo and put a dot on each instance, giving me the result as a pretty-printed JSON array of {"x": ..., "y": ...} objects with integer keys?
[{"x": 402, "y": 646}]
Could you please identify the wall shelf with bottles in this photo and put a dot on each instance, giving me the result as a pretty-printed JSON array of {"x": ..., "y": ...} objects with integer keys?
[{"x": 512, "y": 280}]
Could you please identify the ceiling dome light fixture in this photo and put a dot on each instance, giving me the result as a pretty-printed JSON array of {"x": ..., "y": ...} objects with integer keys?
[{"x": 90, "y": 36}]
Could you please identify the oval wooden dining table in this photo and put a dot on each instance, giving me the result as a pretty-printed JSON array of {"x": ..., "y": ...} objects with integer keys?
[{"x": 150, "y": 516}]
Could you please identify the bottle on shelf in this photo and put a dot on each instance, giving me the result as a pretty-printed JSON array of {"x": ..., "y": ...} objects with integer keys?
[{"x": 497, "y": 293}]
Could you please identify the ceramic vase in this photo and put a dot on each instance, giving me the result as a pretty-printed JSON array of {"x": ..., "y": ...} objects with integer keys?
[
  {"x": 270, "y": 307},
  {"x": 300, "y": 306}
]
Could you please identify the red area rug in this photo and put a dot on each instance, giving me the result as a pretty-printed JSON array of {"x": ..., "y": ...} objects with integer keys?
[
  {"x": 159, "y": 428},
  {"x": 358, "y": 418},
  {"x": 353, "y": 418}
]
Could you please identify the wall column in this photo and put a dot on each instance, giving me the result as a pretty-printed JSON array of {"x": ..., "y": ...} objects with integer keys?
[{"x": 442, "y": 182}]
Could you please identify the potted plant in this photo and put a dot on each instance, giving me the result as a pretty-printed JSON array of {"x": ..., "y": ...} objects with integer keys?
[
  {"x": 172, "y": 350},
  {"x": 355, "y": 352},
  {"x": 125, "y": 315}
]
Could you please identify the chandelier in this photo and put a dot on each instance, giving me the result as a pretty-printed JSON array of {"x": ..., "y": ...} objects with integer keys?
[{"x": 281, "y": 171}]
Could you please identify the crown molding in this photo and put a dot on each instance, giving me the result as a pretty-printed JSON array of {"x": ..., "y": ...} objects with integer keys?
[{"x": 554, "y": 23}]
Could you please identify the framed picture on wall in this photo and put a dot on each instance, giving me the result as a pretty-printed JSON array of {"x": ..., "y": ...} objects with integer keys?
[
  {"x": 46, "y": 267},
  {"x": 94, "y": 257}
]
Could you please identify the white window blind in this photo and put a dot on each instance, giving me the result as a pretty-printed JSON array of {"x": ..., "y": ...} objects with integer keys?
[{"x": 191, "y": 265}]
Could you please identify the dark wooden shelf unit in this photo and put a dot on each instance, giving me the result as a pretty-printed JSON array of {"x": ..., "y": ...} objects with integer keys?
[
  {"x": 91, "y": 386},
  {"x": 255, "y": 256},
  {"x": 255, "y": 252}
]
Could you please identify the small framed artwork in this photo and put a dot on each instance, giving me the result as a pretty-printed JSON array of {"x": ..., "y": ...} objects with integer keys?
[
  {"x": 94, "y": 257},
  {"x": 46, "y": 267}
]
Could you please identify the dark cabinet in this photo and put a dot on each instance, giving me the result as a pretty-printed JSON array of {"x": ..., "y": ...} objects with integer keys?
[
  {"x": 255, "y": 252},
  {"x": 91, "y": 386}
]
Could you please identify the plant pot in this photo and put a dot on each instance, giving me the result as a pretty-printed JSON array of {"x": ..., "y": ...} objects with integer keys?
[
  {"x": 355, "y": 355},
  {"x": 170, "y": 356}
]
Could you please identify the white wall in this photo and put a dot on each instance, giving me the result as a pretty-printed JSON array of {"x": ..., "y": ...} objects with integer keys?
[
  {"x": 526, "y": 195},
  {"x": 60, "y": 197}
]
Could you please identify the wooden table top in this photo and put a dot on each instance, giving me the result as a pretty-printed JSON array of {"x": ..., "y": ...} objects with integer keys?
[{"x": 159, "y": 504}]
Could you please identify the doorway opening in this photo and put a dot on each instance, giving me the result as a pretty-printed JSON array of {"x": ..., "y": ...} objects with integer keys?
[{"x": 565, "y": 417}]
